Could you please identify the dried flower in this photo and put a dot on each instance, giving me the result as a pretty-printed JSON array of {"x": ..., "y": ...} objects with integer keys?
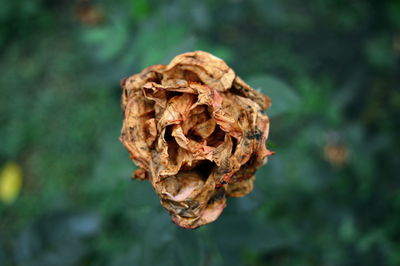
[
  {"x": 335, "y": 150},
  {"x": 197, "y": 132},
  {"x": 88, "y": 13}
]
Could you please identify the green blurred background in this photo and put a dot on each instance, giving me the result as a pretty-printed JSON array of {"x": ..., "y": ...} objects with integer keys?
[{"x": 330, "y": 196}]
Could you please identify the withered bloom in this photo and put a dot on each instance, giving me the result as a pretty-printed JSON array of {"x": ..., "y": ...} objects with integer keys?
[{"x": 197, "y": 132}]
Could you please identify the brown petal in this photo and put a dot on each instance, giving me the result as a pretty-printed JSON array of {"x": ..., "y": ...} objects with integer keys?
[
  {"x": 202, "y": 66},
  {"x": 246, "y": 91},
  {"x": 205, "y": 128},
  {"x": 197, "y": 132}
]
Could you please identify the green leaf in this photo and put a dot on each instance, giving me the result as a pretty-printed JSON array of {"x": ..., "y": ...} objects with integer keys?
[{"x": 140, "y": 9}]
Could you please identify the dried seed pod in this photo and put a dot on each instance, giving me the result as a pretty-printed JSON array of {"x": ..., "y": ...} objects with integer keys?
[{"x": 197, "y": 132}]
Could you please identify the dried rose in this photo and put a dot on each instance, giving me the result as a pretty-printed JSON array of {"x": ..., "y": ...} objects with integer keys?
[{"x": 197, "y": 132}]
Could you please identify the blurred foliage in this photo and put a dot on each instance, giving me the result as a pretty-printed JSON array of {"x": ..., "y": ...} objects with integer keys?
[{"x": 330, "y": 195}]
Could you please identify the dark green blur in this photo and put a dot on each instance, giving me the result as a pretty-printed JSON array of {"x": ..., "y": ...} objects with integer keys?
[{"x": 330, "y": 196}]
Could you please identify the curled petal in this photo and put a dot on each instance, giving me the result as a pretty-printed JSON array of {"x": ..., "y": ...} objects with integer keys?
[
  {"x": 197, "y": 132},
  {"x": 201, "y": 66}
]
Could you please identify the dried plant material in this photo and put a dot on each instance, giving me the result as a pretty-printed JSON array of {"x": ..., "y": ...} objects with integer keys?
[
  {"x": 197, "y": 132},
  {"x": 335, "y": 150},
  {"x": 88, "y": 13}
]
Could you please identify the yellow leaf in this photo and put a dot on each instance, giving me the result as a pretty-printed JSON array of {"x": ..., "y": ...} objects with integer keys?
[{"x": 10, "y": 182}]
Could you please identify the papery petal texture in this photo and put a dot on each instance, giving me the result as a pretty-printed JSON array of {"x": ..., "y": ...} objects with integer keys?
[{"x": 197, "y": 132}]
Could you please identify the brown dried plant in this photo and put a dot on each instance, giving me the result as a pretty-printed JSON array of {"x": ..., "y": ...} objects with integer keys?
[{"x": 197, "y": 132}]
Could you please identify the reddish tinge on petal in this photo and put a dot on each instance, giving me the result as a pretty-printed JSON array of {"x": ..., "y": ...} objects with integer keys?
[{"x": 197, "y": 131}]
